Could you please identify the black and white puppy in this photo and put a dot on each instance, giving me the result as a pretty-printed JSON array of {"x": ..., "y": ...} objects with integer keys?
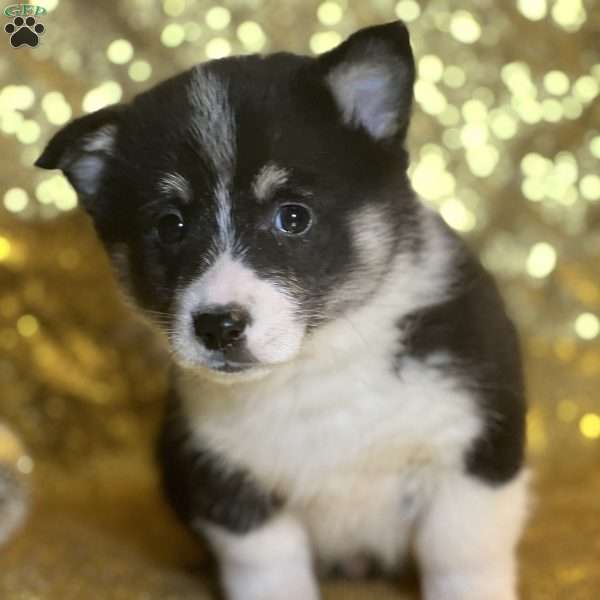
[{"x": 347, "y": 386}]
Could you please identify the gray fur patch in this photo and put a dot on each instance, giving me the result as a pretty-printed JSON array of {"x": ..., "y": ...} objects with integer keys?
[
  {"x": 370, "y": 93},
  {"x": 213, "y": 122},
  {"x": 226, "y": 234},
  {"x": 102, "y": 140},
  {"x": 213, "y": 125}
]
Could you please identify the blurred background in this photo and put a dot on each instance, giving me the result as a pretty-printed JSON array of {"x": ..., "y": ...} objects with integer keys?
[{"x": 505, "y": 144}]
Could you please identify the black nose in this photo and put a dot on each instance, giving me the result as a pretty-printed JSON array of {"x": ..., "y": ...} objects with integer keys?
[{"x": 222, "y": 328}]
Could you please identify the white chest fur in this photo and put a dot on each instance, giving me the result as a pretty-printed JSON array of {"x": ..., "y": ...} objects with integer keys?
[{"x": 353, "y": 447}]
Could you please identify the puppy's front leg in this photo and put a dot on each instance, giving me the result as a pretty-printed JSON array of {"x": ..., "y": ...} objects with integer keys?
[
  {"x": 466, "y": 541},
  {"x": 263, "y": 552},
  {"x": 272, "y": 562}
]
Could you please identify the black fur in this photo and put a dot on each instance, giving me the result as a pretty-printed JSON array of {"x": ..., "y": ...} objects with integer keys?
[
  {"x": 201, "y": 486},
  {"x": 473, "y": 328}
]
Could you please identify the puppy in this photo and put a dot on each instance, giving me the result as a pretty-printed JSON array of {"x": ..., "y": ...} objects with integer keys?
[{"x": 347, "y": 387}]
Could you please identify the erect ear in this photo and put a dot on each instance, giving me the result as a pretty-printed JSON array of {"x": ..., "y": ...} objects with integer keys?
[
  {"x": 82, "y": 148},
  {"x": 371, "y": 77}
]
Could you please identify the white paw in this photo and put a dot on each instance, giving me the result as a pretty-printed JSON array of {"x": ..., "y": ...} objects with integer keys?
[
  {"x": 469, "y": 586},
  {"x": 274, "y": 584},
  {"x": 272, "y": 562}
]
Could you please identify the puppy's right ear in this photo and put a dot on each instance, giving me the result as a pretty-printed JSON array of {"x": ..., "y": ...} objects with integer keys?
[
  {"x": 82, "y": 149},
  {"x": 371, "y": 77}
]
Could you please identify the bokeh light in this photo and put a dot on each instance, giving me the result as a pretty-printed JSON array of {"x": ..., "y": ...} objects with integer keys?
[
  {"x": 533, "y": 9},
  {"x": 330, "y": 13},
  {"x": 15, "y": 200},
  {"x": 252, "y": 36},
  {"x": 27, "y": 325},
  {"x": 590, "y": 426},
  {"x": 120, "y": 51},
  {"x": 541, "y": 260},
  {"x": 140, "y": 70},
  {"x": 106, "y": 93},
  {"x": 587, "y": 326},
  {"x": 464, "y": 27},
  {"x": 218, "y": 17},
  {"x": 172, "y": 35}
]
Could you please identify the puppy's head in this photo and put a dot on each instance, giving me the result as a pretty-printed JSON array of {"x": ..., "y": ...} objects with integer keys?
[{"x": 250, "y": 200}]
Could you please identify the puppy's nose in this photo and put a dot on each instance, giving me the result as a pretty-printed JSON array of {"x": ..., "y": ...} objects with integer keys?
[{"x": 222, "y": 328}]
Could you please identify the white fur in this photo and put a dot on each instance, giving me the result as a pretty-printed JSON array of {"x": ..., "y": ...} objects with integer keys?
[
  {"x": 270, "y": 563},
  {"x": 353, "y": 449},
  {"x": 174, "y": 183},
  {"x": 466, "y": 540},
  {"x": 268, "y": 180},
  {"x": 372, "y": 238},
  {"x": 101, "y": 140},
  {"x": 274, "y": 336},
  {"x": 225, "y": 239},
  {"x": 214, "y": 127},
  {"x": 213, "y": 121},
  {"x": 364, "y": 456},
  {"x": 87, "y": 167},
  {"x": 87, "y": 172}
]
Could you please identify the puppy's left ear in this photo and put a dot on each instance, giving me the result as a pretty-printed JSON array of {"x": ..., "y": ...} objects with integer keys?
[
  {"x": 82, "y": 148},
  {"x": 371, "y": 77}
]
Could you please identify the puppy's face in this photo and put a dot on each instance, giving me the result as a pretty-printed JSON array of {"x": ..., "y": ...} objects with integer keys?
[{"x": 250, "y": 200}]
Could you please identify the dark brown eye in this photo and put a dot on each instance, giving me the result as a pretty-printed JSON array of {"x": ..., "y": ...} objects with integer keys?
[
  {"x": 170, "y": 228},
  {"x": 293, "y": 219}
]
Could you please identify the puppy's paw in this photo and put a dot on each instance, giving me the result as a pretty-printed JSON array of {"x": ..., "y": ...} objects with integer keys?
[
  {"x": 272, "y": 562},
  {"x": 469, "y": 586},
  {"x": 288, "y": 584}
]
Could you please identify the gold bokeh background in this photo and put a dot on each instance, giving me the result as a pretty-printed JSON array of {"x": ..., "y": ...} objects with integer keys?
[{"x": 505, "y": 144}]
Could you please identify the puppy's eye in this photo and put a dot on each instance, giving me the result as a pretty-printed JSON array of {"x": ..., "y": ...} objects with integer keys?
[
  {"x": 293, "y": 219},
  {"x": 170, "y": 228}
]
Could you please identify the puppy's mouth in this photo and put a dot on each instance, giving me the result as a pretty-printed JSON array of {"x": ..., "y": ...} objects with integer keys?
[
  {"x": 231, "y": 372},
  {"x": 232, "y": 367},
  {"x": 236, "y": 359}
]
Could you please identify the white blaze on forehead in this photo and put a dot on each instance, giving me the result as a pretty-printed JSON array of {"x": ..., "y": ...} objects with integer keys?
[
  {"x": 225, "y": 232},
  {"x": 275, "y": 332},
  {"x": 213, "y": 127},
  {"x": 213, "y": 121},
  {"x": 268, "y": 179}
]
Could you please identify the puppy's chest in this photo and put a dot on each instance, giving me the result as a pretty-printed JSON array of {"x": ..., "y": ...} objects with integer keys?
[{"x": 302, "y": 433}]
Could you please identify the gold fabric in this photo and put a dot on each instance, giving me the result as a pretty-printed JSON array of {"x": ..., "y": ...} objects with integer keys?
[{"x": 505, "y": 144}]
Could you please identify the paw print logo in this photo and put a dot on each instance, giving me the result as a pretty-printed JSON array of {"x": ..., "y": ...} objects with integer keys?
[{"x": 24, "y": 32}]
